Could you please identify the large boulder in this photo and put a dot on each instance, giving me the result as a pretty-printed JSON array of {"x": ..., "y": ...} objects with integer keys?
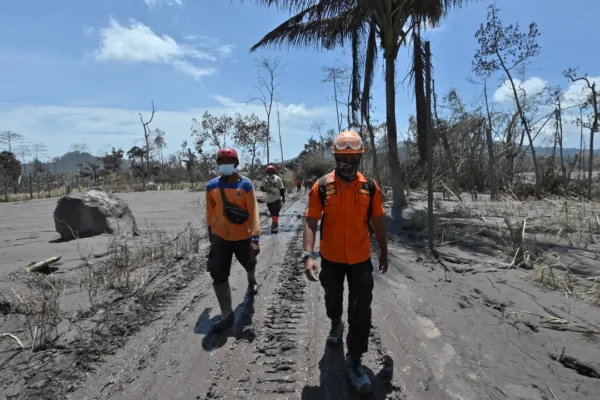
[{"x": 92, "y": 213}]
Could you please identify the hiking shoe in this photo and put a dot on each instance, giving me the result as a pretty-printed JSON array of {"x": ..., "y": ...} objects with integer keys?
[
  {"x": 252, "y": 288},
  {"x": 336, "y": 332},
  {"x": 223, "y": 324},
  {"x": 274, "y": 227},
  {"x": 358, "y": 377}
]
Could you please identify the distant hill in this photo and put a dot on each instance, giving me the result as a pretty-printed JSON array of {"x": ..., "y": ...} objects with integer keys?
[{"x": 65, "y": 164}]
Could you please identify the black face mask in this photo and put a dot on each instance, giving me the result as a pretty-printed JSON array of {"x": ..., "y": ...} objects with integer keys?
[{"x": 346, "y": 170}]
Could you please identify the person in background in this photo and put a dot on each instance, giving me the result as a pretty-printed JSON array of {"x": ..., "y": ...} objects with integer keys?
[
  {"x": 233, "y": 228},
  {"x": 298, "y": 185},
  {"x": 345, "y": 200},
  {"x": 274, "y": 190}
]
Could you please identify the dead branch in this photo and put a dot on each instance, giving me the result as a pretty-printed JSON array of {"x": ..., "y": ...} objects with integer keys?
[
  {"x": 41, "y": 265},
  {"x": 549, "y": 319},
  {"x": 14, "y": 339}
]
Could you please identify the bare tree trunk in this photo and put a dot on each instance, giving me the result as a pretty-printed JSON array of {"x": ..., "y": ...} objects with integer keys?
[
  {"x": 430, "y": 216},
  {"x": 581, "y": 147},
  {"x": 280, "y": 141},
  {"x": 593, "y": 129},
  {"x": 445, "y": 143},
  {"x": 399, "y": 201},
  {"x": 490, "y": 145},
  {"x": 563, "y": 169},
  {"x": 147, "y": 139},
  {"x": 338, "y": 116},
  {"x": 271, "y": 67}
]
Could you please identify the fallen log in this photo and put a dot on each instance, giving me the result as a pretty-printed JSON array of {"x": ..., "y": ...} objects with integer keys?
[{"x": 41, "y": 265}]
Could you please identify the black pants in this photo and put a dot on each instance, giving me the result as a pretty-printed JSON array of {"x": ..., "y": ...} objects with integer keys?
[
  {"x": 274, "y": 208},
  {"x": 360, "y": 286},
  {"x": 221, "y": 254}
]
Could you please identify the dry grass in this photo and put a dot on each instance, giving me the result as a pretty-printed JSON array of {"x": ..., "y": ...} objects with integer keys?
[
  {"x": 40, "y": 307},
  {"x": 543, "y": 236}
]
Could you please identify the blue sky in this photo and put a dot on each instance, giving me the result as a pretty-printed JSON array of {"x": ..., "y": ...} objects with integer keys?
[{"x": 81, "y": 71}]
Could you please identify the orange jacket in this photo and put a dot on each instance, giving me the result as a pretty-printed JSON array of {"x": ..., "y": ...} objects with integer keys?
[
  {"x": 241, "y": 194},
  {"x": 345, "y": 236}
]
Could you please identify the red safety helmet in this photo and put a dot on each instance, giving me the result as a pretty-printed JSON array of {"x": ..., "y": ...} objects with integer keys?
[
  {"x": 270, "y": 169},
  {"x": 228, "y": 152}
]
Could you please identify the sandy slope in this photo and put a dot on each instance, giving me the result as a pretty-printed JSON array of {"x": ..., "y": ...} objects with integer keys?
[{"x": 431, "y": 339}]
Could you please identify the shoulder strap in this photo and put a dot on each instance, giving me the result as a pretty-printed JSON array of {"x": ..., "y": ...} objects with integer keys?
[
  {"x": 323, "y": 189},
  {"x": 371, "y": 184},
  {"x": 372, "y": 187},
  {"x": 225, "y": 202}
]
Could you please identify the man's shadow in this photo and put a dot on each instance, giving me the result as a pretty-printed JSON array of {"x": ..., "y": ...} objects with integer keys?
[
  {"x": 241, "y": 328},
  {"x": 335, "y": 383}
]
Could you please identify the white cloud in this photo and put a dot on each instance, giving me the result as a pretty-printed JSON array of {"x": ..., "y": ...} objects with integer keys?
[
  {"x": 137, "y": 43},
  {"x": 156, "y": 3},
  {"x": 212, "y": 44},
  {"x": 530, "y": 87},
  {"x": 544, "y": 125},
  {"x": 102, "y": 128}
]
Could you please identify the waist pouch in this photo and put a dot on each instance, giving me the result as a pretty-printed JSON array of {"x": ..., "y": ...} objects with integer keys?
[{"x": 234, "y": 214}]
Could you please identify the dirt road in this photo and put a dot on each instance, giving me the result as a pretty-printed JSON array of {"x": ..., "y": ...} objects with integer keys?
[
  {"x": 434, "y": 336},
  {"x": 275, "y": 350}
]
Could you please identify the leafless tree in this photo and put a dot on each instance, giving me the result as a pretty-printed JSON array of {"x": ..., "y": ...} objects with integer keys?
[
  {"x": 317, "y": 127},
  {"x": 80, "y": 149},
  {"x": 10, "y": 138},
  {"x": 505, "y": 48},
  {"x": 267, "y": 88},
  {"x": 336, "y": 76},
  {"x": 594, "y": 122},
  {"x": 160, "y": 144},
  {"x": 24, "y": 151},
  {"x": 39, "y": 149},
  {"x": 280, "y": 140},
  {"x": 148, "y": 141}
]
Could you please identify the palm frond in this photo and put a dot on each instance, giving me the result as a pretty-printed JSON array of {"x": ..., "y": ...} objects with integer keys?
[{"x": 307, "y": 29}]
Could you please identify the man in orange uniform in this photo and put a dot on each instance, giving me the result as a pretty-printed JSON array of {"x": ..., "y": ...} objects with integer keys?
[
  {"x": 233, "y": 228},
  {"x": 344, "y": 200}
]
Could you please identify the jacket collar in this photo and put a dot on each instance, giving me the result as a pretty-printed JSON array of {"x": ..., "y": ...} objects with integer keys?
[{"x": 360, "y": 177}]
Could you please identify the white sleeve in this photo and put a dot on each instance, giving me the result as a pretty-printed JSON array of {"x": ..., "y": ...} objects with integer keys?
[{"x": 281, "y": 184}]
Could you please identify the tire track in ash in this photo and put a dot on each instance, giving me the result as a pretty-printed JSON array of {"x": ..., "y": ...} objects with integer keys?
[
  {"x": 231, "y": 377},
  {"x": 279, "y": 360}
]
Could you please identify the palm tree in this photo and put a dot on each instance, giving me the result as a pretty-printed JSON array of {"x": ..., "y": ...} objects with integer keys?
[
  {"x": 332, "y": 23},
  {"x": 134, "y": 154},
  {"x": 91, "y": 170}
]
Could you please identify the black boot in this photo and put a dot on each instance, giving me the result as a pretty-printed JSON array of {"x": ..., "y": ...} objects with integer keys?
[
  {"x": 252, "y": 285},
  {"x": 336, "y": 332},
  {"x": 223, "y": 292}
]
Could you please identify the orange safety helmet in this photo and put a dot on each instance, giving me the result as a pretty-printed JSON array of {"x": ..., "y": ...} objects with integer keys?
[{"x": 348, "y": 142}]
